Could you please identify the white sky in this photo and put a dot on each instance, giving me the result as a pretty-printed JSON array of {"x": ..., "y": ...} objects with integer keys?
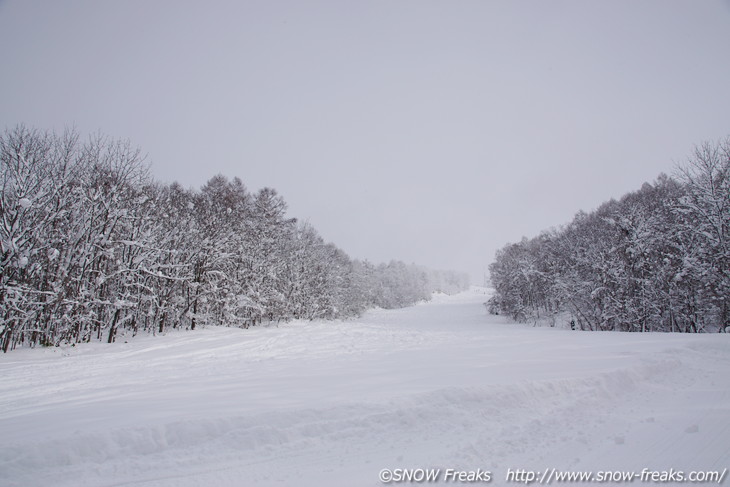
[{"x": 427, "y": 131}]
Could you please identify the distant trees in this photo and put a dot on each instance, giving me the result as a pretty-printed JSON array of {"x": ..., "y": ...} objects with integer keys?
[
  {"x": 656, "y": 260},
  {"x": 91, "y": 248}
]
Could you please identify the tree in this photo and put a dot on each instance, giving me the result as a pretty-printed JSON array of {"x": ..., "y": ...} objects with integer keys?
[
  {"x": 91, "y": 248},
  {"x": 656, "y": 259}
]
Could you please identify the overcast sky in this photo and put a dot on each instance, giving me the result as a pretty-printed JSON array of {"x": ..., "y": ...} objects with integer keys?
[{"x": 428, "y": 131}]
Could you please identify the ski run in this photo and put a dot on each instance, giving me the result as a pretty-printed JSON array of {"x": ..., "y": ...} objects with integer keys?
[{"x": 441, "y": 385}]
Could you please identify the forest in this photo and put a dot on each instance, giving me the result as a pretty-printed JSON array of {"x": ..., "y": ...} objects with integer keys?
[
  {"x": 657, "y": 259},
  {"x": 92, "y": 248}
]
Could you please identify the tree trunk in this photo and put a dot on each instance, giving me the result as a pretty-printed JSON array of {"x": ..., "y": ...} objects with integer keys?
[{"x": 113, "y": 328}]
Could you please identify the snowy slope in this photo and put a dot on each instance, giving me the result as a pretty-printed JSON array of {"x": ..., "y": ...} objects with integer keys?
[{"x": 441, "y": 384}]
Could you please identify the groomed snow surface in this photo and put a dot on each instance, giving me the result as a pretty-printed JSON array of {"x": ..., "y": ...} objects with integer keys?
[{"x": 441, "y": 384}]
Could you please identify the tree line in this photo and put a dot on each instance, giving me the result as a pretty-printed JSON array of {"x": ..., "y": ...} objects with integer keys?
[
  {"x": 658, "y": 259},
  {"x": 93, "y": 248}
]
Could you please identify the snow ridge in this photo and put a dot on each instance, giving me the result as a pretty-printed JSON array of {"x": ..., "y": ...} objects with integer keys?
[{"x": 269, "y": 435}]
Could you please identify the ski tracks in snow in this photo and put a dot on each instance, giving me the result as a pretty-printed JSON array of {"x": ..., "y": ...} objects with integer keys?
[{"x": 332, "y": 403}]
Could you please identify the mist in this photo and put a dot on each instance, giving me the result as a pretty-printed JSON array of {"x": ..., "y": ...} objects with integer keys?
[{"x": 428, "y": 132}]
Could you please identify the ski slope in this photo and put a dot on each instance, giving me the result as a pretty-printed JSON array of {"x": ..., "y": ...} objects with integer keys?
[{"x": 438, "y": 385}]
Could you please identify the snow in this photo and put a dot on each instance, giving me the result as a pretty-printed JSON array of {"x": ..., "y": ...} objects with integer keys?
[
  {"x": 53, "y": 254},
  {"x": 441, "y": 384}
]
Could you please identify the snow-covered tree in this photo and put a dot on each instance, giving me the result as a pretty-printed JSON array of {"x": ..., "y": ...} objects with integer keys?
[
  {"x": 91, "y": 248},
  {"x": 656, "y": 259}
]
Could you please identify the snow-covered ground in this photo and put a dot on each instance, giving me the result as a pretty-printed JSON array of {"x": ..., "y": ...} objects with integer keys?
[{"x": 441, "y": 384}]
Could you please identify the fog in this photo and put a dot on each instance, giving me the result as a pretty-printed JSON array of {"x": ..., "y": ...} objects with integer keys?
[{"x": 427, "y": 131}]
